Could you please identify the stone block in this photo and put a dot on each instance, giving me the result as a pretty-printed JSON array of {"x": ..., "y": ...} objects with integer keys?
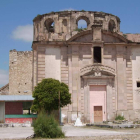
[{"x": 41, "y": 62}]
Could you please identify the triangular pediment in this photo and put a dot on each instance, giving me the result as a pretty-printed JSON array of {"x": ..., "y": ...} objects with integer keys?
[
  {"x": 84, "y": 38},
  {"x": 107, "y": 37}
]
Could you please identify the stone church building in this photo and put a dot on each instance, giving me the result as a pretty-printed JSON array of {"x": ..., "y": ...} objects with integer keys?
[{"x": 100, "y": 64}]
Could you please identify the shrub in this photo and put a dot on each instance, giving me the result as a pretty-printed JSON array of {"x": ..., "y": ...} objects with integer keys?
[
  {"x": 125, "y": 36},
  {"x": 80, "y": 29},
  {"x": 119, "y": 117},
  {"x": 47, "y": 127}
]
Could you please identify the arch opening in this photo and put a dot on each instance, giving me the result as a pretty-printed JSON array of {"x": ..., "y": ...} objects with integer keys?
[
  {"x": 82, "y": 23},
  {"x": 97, "y": 55},
  {"x": 111, "y": 25},
  {"x": 49, "y": 24},
  {"x": 64, "y": 25}
]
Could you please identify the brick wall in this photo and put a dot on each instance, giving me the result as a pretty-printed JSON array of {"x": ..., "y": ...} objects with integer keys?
[{"x": 13, "y": 108}]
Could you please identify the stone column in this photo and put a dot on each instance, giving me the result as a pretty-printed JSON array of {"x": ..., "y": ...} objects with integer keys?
[
  {"x": 75, "y": 80},
  {"x": 121, "y": 79},
  {"x": 96, "y": 32}
]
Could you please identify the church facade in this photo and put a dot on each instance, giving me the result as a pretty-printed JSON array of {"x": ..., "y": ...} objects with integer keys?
[{"x": 100, "y": 64}]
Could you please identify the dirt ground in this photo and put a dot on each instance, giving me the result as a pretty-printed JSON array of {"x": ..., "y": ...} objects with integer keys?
[
  {"x": 135, "y": 136},
  {"x": 96, "y": 133}
]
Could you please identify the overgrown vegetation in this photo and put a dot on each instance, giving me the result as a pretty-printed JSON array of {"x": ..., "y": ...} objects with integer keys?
[
  {"x": 119, "y": 117},
  {"x": 80, "y": 29},
  {"x": 52, "y": 12},
  {"x": 83, "y": 11},
  {"x": 46, "y": 95},
  {"x": 47, "y": 127},
  {"x": 130, "y": 41},
  {"x": 102, "y": 12},
  {"x": 125, "y": 36}
]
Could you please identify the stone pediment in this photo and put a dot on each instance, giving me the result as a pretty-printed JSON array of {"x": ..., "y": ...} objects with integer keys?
[
  {"x": 97, "y": 70},
  {"x": 84, "y": 38},
  {"x": 107, "y": 37}
]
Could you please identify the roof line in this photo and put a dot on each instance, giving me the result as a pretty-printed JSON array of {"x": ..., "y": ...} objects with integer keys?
[
  {"x": 69, "y": 12},
  {"x": 4, "y": 86}
]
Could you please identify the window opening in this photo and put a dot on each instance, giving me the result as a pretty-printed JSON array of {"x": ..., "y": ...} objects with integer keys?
[
  {"x": 51, "y": 28},
  {"x": 111, "y": 25},
  {"x": 97, "y": 55},
  {"x": 49, "y": 24},
  {"x": 82, "y": 24},
  {"x": 138, "y": 84},
  {"x": 64, "y": 22}
]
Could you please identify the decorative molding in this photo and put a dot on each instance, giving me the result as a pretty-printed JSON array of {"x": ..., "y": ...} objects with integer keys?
[
  {"x": 97, "y": 69},
  {"x": 98, "y": 77}
]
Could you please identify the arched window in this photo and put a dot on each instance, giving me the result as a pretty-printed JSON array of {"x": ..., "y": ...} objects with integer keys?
[
  {"x": 97, "y": 55},
  {"x": 82, "y": 22},
  {"x": 111, "y": 25},
  {"x": 49, "y": 24},
  {"x": 64, "y": 27}
]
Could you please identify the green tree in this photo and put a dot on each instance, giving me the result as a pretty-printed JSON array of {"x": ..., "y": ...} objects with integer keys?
[{"x": 46, "y": 95}]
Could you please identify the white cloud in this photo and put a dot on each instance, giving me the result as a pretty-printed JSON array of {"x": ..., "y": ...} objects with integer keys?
[
  {"x": 24, "y": 33},
  {"x": 82, "y": 23},
  {"x": 68, "y": 9},
  {"x": 4, "y": 77}
]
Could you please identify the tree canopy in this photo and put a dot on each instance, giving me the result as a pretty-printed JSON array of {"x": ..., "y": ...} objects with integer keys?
[{"x": 46, "y": 95}]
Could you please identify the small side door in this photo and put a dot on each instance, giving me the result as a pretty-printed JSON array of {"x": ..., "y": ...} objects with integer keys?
[{"x": 98, "y": 114}]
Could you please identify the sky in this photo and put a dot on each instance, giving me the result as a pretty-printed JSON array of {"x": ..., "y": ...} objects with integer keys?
[{"x": 16, "y": 26}]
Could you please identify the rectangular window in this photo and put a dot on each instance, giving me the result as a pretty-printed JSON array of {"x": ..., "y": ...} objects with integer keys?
[
  {"x": 97, "y": 55},
  {"x": 138, "y": 84}
]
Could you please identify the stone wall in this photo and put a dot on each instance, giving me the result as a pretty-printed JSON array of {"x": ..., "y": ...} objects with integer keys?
[
  {"x": 64, "y": 64},
  {"x": 40, "y": 68},
  {"x": 66, "y": 22},
  {"x": 20, "y": 73},
  {"x": 136, "y": 78},
  {"x": 53, "y": 63},
  {"x": 4, "y": 90}
]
